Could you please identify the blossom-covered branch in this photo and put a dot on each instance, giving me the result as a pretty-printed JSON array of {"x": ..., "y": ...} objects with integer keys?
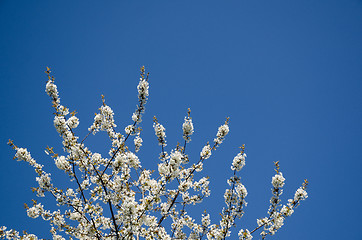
[{"x": 114, "y": 197}]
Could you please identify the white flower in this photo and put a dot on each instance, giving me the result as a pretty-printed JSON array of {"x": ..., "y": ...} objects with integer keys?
[
  {"x": 22, "y": 154},
  {"x": 51, "y": 90},
  {"x": 278, "y": 222},
  {"x": 205, "y": 220},
  {"x": 262, "y": 221},
  {"x": 142, "y": 88},
  {"x": 73, "y": 122},
  {"x": 96, "y": 123},
  {"x": 137, "y": 143},
  {"x": 245, "y": 234},
  {"x": 286, "y": 211},
  {"x": 107, "y": 120},
  {"x": 60, "y": 124},
  {"x": 98, "y": 118},
  {"x": 300, "y": 194},
  {"x": 136, "y": 117},
  {"x": 133, "y": 160},
  {"x": 70, "y": 192},
  {"x": 119, "y": 161},
  {"x": 75, "y": 216},
  {"x": 129, "y": 130},
  {"x": 58, "y": 219},
  {"x": 35, "y": 211},
  {"x": 175, "y": 158},
  {"x": 63, "y": 110},
  {"x": 44, "y": 181},
  {"x": 203, "y": 185},
  {"x": 187, "y": 128},
  {"x": 96, "y": 158},
  {"x": 62, "y": 163},
  {"x": 163, "y": 169},
  {"x": 206, "y": 152},
  {"x": 57, "y": 237},
  {"x": 238, "y": 162},
  {"x": 103, "y": 121},
  {"x": 278, "y": 180},
  {"x": 160, "y": 133},
  {"x": 127, "y": 158},
  {"x": 30, "y": 237},
  {"x": 241, "y": 190},
  {"x": 184, "y": 185},
  {"x": 221, "y": 133}
]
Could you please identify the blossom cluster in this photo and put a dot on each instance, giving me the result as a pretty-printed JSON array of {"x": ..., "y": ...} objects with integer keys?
[
  {"x": 278, "y": 212},
  {"x": 188, "y": 127},
  {"x": 114, "y": 197}
]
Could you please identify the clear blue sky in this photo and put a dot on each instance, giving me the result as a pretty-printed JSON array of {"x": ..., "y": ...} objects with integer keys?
[{"x": 287, "y": 73}]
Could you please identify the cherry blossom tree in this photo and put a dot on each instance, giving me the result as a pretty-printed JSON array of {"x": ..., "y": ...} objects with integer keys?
[{"x": 116, "y": 198}]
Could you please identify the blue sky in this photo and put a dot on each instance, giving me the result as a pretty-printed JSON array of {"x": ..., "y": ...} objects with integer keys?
[{"x": 287, "y": 73}]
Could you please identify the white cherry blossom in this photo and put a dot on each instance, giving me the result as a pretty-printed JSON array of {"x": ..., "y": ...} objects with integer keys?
[{"x": 114, "y": 197}]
